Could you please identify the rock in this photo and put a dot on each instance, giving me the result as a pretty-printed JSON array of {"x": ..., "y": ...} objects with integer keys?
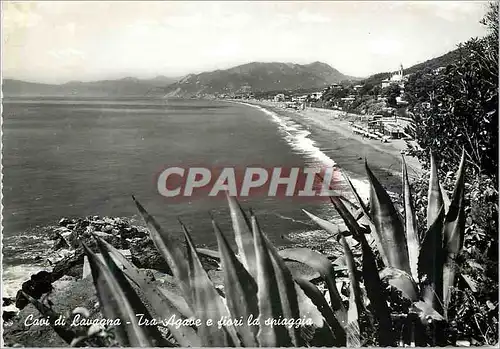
[
  {"x": 132, "y": 232},
  {"x": 6, "y": 301},
  {"x": 60, "y": 244},
  {"x": 39, "y": 284},
  {"x": 21, "y": 301},
  {"x": 103, "y": 235},
  {"x": 108, "y": 228},
  {"x": 64, "y": 222},
  {"x": 9, "y": 313},
  {"x": 70, "y": 266},
  {"x": 145, "y": 255}
]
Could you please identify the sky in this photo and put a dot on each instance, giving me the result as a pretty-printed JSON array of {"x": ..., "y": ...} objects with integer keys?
[{"x": 56, "y": 42}]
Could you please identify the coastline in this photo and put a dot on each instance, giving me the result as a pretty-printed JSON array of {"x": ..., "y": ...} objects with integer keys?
[{"x": 330, "y": 132}]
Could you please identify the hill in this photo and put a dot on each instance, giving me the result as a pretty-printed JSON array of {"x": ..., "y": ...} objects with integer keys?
[
  {"x": 431, "y": 64},
  {"x": 256, "y": 77},
  {"x": 104, "y": 88}
]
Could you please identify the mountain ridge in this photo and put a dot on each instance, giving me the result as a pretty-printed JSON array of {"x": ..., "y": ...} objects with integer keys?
[
  {"x": 127, "y": 86},
  {"x": 256, "y": 77}
]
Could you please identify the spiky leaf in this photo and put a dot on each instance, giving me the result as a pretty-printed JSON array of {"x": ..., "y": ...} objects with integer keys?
[
  {"x": 356, "y": 306},
  {"x": 118, "y": 300},
  {"x": 435, "y": 198},
  {"x": 240, "y": 289},
  {"x": 402, "y": 281},
  {"x": 453, "y": 233},
  {"x": 164, "y": 302},
  {"x": 168, "y": 248},
  {"x": 269, "y": 294},
  {"x": 243, "y": 235},
  {"x": 357, "y": 196},
  {"x": 431, "y": 259},
  {"x": 371, "y": 277},
  {"x": 336, "y": 329},
  {"x": 412, "y": 238},
  {"x": 207, "y": 303},
  {"x": 388, "y": 226}
]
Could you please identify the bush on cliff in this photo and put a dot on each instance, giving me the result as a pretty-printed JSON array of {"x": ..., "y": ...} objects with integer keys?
[{"x": 456, "y": 107}]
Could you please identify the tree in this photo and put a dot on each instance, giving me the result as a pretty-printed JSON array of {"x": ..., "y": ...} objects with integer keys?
[
  {"x": 391, "y": 92},
  {"x": 462, "y": 105}
]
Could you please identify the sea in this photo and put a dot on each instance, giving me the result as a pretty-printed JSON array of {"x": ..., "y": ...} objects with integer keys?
[{"x": 76, "y": 157}]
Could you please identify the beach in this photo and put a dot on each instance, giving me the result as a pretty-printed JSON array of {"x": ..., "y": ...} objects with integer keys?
[{"x": 331, "y": 132}]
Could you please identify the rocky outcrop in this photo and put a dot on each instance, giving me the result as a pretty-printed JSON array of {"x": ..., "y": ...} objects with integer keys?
[{"x": 68, "y": 252}]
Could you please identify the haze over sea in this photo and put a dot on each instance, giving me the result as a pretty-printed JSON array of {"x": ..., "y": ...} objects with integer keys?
[{"x": 79, "y": 157}]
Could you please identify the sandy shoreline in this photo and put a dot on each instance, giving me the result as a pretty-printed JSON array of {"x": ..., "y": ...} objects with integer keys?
[{"x": 331, "y": 132}]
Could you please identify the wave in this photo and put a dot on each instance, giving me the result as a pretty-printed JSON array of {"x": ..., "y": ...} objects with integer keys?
[{"x": 298, "y": 138}]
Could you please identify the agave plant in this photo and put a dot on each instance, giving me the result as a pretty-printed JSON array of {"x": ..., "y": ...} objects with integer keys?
[
  {"x": 421, "y": 266},
  {"x": 259, "y": 286}
]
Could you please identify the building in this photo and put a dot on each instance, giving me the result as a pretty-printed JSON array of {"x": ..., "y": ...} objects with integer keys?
[
  {"x": 280, "y": 97},
  {"x": 317, "y": 95},
  {"x": 393, "y": 130},
  {"x": 397, "y": 78}
]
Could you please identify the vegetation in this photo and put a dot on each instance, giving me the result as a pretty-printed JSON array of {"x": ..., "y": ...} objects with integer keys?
[
  {"x": 457, "y": 107},
  {"x": 402, "y": 294}
]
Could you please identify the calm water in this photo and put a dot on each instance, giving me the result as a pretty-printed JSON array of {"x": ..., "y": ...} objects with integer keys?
[{"x": 73, "y": 158}]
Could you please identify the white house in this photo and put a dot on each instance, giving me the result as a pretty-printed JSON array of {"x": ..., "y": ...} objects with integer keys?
[
  {"x": 280, "y": 97},
  {"x": 397, "y": 78}
]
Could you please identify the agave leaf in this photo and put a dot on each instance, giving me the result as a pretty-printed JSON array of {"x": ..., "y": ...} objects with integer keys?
[
  {"x": 453, "y": 233},
  {"x": 435, "y": 198},
  {"x": 240, "y": 289},
  {"x": 425, "y": 308},
  {"x": 357, "y": 196},
  {"x": 352, "y": 330},
  {"x": 324, "y": 224},
  {"x": 143, "y": 281},
  {"x": 371, "y": 277},
  {"x": 209, "y": 253},
  {"x": 353, "y": 277},
  {"x": 324, "y": 267},
  {"x": 388, "y": 226},
  {"x": 412, "y": 238},
  {"x": 402, "y": 281},
  {"x": 374, "y": 292},
  {"x": 430, "y": 260},
  {"x": 168, "y": 248},
  {"x": 335, "y": 328},
  {"x": 333, "y": 229},
  {"x": 65, "y": 332},
  {"x": 270, "y": 301},
  {"x": 357, "y": 213},
  {"x": 446, "y": 200},
  {"x": 164, "y": 302},
  {"x": 243, "y": 235},
  {"x": 118, "y": 300},
  {"x": 296, "y": 303},
  {"x": 207, "y": 303},
  {"x": 177, "y": 302}
]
